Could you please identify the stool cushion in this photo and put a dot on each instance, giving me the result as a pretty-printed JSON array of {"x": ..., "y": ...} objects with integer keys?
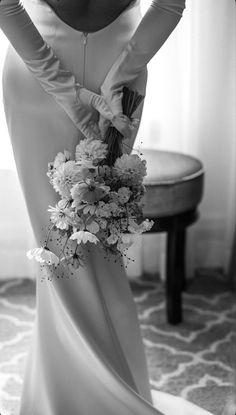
[{"x": 174, "y": 183}]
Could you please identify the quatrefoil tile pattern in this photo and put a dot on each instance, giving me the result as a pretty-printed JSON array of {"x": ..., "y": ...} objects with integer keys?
[{"x": 193, "y": 360}]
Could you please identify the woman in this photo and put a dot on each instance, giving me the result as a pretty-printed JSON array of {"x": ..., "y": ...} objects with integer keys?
[{"x": 67, "y": 65}]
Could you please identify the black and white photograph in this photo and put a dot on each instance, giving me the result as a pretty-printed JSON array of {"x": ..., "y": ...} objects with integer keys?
[{"x": 118, "y": 207}]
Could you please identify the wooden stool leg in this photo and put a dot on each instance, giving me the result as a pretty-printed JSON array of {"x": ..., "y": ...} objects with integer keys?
[
  {"x": 180, "y": 257},
  {"x": 173, "y": 283}
]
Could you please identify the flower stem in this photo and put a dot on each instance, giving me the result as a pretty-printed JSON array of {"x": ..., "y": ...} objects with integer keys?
[
  {"x": 113, "y": 138},
  {"x": 49, "y": 233},
  {"x": 64, "y": 247}
]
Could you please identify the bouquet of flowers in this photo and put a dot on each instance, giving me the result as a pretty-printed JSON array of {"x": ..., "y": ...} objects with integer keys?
[{"x": 100, "y": 200}]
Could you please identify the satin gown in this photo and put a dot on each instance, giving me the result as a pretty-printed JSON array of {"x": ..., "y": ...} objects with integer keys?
[{"x": 87, "y": 355}]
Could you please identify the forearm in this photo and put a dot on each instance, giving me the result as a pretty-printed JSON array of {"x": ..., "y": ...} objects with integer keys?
[
  {"x": 47, "y": 68},
  {"x": 153, "y": 30}
]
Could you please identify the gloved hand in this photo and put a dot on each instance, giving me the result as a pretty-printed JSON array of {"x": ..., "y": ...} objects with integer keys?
[
  {"x": 47, "y": 68},
  {"x": 92, "y": 100},
  {"x": 121, "y": 122},
  {"x": 153, "y": 30}
]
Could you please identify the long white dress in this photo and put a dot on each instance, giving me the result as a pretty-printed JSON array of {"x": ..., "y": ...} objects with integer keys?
[{"x": 87, "y": 355}]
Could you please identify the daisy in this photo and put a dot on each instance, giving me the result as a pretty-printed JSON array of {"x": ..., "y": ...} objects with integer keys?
[
  {"x": 91, "y": 191},
  {"x": 60, "y": 217}
]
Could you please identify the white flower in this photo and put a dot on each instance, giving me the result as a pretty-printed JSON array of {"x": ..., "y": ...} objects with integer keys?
[
  {"x": 102, "y": 222},
  {"x": 89, "y": 209},
  {"x": 43, "y": 255},
  {"x": 103, "y": 210},
  {"x": 123, "y": 195},
  {"x": 60, "y": 217},
  {"x": 106, "y": 210},
  {"x": 78, "y": 205},
  {"x": 90, "y": 150},
  {"x": 86, "y": 172},
  {"x": 50, "y": 171},
  {"x": 89, "y": 192},
  {"x": 124, "y": 243},
  {"x": 130, "y": 168},
  {"x": 145, "y": 226},
  {"x": 61, "y": 158},
  {"x": 92, "y": 226},
  {"x": 65, "y": 176},
  {"x": 114, "y": 208},
  {"x": 85, "y": 164},
  {"x": 112, "y": 239},
  {"x": 77, "y": 221},
  {"x": 114, "y": 227},
  {"x": 63, "y": 203},
  {"x": 83, "y": 237}
]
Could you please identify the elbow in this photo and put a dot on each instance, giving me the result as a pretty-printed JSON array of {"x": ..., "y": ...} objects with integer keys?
[{"x": 175, "y": 7}]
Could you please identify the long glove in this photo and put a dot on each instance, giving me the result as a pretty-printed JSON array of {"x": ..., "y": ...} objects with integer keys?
[
  {"x": 155, "y": 27},
  {"x": 47, "y": 68}
]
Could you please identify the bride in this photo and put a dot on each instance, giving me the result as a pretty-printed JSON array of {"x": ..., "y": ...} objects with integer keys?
[{"x": 63, "y": 76}]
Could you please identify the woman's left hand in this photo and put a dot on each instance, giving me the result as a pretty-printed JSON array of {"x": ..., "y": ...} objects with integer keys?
[{"x": 120, "y": 121}]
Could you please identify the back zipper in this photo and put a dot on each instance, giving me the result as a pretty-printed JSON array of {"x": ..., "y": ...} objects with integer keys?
[{"x": 85, "y": 38}]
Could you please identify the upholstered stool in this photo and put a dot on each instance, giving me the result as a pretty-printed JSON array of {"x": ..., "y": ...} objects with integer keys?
[{"x": 174, "y": 188}]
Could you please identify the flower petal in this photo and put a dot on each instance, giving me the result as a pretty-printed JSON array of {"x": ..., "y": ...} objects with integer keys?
[{"x": 83, "y": 237}]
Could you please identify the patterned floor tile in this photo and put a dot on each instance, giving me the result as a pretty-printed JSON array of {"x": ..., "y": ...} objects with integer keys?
[{"x": 193, "y": 360}]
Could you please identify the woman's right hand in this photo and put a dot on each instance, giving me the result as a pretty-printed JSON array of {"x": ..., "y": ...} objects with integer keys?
[
  {"x": 93, "y": 101},
  {"x": 90, "y": 102},
  {"x": 107, "y": 117}
]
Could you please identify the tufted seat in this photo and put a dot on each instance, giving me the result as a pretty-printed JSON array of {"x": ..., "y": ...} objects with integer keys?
[
  {"x": 174, "y": 188},
  {"x": 174, "y": 182}
]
